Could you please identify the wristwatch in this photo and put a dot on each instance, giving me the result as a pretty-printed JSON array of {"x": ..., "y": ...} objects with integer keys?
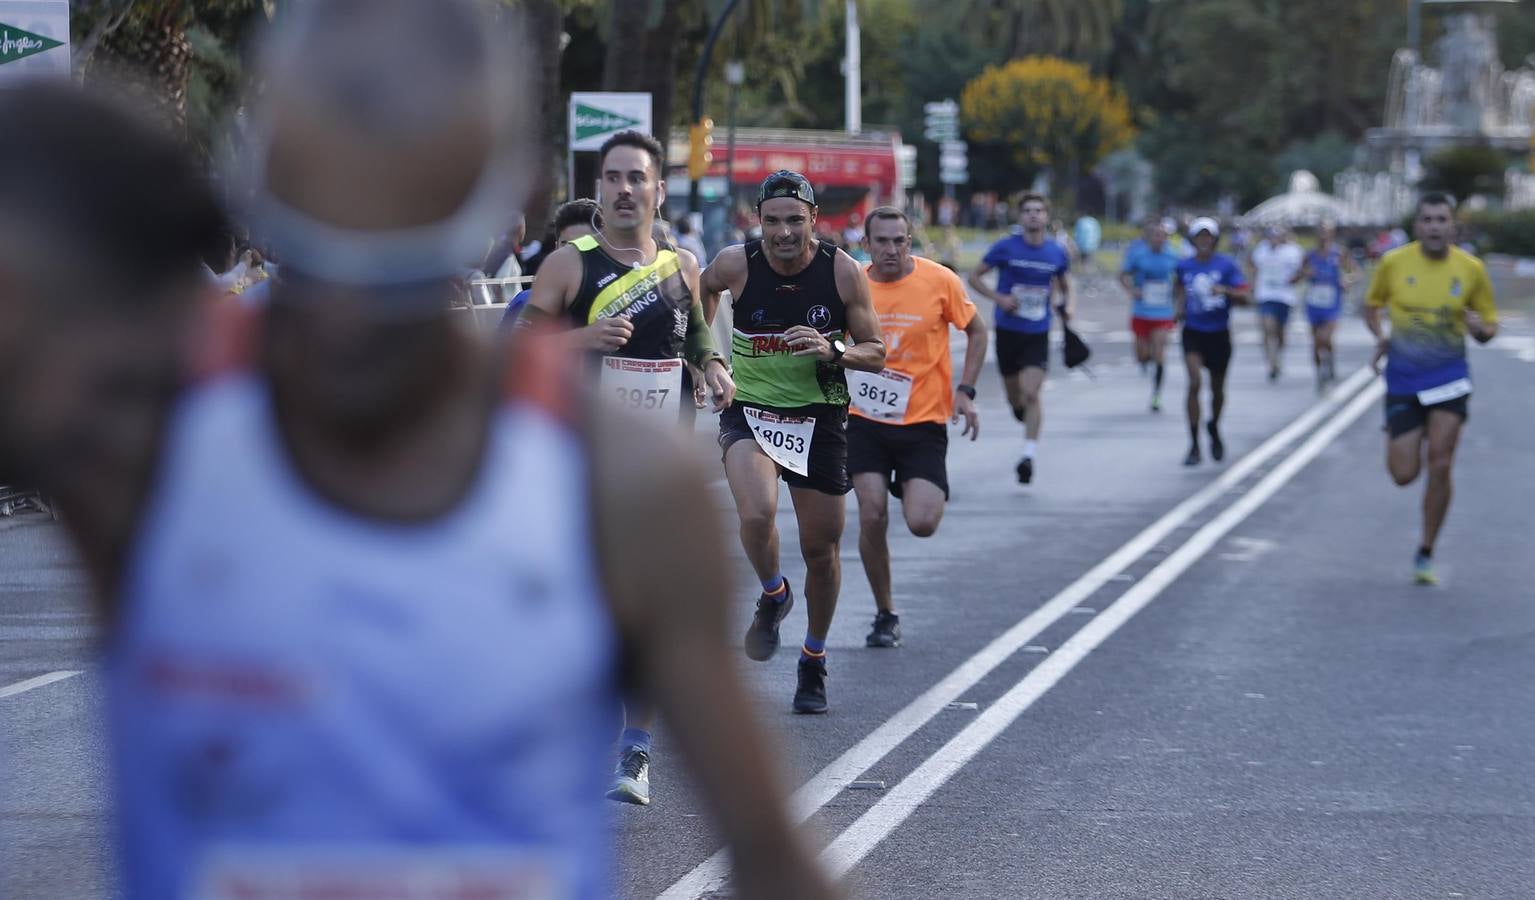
[
  {"x": 837, "y": 349},
  {"x": 966, "y": 389}
]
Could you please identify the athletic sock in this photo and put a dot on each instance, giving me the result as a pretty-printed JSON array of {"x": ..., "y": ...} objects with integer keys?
[
  {"x": 1157, "y": 379},
  {"x": 776, "y": 587},
  {"x": 813, "y": 649},
  {"x": 1029, "y": 447},
  {"x": 635, "y": 739},
  {"x": 1426, "y": 552}
]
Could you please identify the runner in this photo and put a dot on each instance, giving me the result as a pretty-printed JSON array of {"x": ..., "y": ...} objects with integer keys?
[
  {"x": 1327, "y": 273},
  {"x": 1031, "y": 273},
  {"x": 794, "y": 300},
  {"x": 1435, "y": 293},
  {"x": 1147, "y": 274},
  {"x": 632, "y": 300},
  {"x": 897, "y": 437},
  {"x": 366, "y": 584},
  {"x": 1276, "y": 264},
  {"x": 1208, "y": 283},
  {"x": 575, "y": 219}
]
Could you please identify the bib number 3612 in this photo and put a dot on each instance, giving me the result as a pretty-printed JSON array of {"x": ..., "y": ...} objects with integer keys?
[
  {"x": 648, "y": 386},
  {"x": 785, "y": 439},
  {"x": 880, "y": 395}
]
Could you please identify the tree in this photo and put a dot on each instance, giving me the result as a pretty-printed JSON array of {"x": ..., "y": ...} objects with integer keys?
[
  {"x": 1045, "y": 113},
  {"x": 1076, "y": 29}
]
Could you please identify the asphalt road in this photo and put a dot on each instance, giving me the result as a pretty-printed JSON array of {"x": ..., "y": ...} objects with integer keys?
[{"x": 1248, "y": 700}]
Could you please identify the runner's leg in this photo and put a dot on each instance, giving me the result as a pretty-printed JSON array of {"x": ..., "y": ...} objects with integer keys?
[
  {"x": 754, "y": 484},
  {"x": 1030, "y": 382},
  {"x": 820, "y": 535},
  {"x": 922, "y": 503},
  {"x": 1404, "y": 456},
  {"x": 1443, "y": 436},
  {"x": 873, "y": 493},
  {"x": 1194, "y": 364}
]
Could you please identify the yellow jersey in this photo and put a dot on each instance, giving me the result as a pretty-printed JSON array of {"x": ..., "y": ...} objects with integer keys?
[{"x": 1427, "y": 301}]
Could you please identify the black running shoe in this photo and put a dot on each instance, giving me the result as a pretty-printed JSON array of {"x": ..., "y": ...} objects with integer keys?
[
  {"x": 1217, "y": 447},
  {"x": 762, "y": 636},
  {"x": 1193, "y": 459},
  {"x": 1025, "y": 470},
  {"x": 886, "y": 631},
  {"x": 810, "y": 697}
]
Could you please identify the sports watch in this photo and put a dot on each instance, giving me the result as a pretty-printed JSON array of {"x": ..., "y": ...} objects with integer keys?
[
  {"x": 837, "y": 349},
  {"x": 967, "y": 389}
]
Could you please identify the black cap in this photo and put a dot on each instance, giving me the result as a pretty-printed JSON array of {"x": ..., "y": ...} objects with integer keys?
[{"x": 784, "y": 183}]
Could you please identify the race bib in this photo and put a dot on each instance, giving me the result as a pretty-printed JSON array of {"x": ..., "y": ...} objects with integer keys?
[
  {"x": 785, "y": 439},
  {"x": 400, "y": 873},
  {"x": 1204, "y": 289},
  {"x": 653, "y": 387},
  {"x": 1322, "y": 296},
  {"x": 1157, "y": 293},
  {"x": 880, "y": 395},
  {"x": 1033, "y": 301},
  {"x": 1444, "y": 393},
  {"x": 1273, "y": 283}
]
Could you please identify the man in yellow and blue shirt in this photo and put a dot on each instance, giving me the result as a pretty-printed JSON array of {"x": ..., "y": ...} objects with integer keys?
[{"x": 1435, "y": 294}]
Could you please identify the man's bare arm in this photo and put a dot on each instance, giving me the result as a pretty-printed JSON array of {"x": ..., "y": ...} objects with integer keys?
[
  {"x": 975, "y": 350},
  {"x": 978, "y": 284},
  {"x": 676, "y": 626},
  {"x": 867, "y": 352},
  {"x": 726, "y": 273}
]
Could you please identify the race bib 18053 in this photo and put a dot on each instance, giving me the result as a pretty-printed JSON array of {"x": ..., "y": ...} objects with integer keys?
[
  {"x": 880, "y": 395},
  {"x": 785, "y": 439},
  {"x": 649, "y": 386}
]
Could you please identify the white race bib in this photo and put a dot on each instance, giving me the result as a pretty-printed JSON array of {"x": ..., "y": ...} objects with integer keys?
[
  {"x": 1157, "y": 293},
  {"x": 880, "y": 395},
  {"x": 1322, "y": 296},
  {"x": 653, "y": 387},
  {"x": 785, "y": 439},
  {"x": 1456, "y": 389},
  {"x": 1033, "y": 301},
  {"x": 1204, "y": 289}
]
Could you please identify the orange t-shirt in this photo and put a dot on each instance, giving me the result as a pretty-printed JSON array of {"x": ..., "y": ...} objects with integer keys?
[{"x": 914, "y": 316}]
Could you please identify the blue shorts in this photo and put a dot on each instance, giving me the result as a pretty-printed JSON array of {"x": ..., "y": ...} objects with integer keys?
[
  {"x": 1321, "y": 315},
  {"x": 1276, "y": 309}
]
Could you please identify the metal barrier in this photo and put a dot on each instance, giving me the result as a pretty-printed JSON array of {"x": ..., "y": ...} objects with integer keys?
[
  {"x": 486, "y": 298},
  {"x": 14, "y": 500}
]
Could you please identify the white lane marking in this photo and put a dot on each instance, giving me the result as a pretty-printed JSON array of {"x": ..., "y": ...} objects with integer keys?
[
  {"x": 21, "y": 687},
  {"x": 827, "y": 784},
  {"x": 895, "y": 807}
]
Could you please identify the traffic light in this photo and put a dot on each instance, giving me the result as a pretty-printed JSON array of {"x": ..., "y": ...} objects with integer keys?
[{"x": 700, "y": 139}]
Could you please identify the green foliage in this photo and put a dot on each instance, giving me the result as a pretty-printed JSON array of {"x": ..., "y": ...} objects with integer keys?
[
  {"x": 1466, "y": 171},
  {"x": 1324, "y": 156},
  {"x": 1507, "y": 232}
]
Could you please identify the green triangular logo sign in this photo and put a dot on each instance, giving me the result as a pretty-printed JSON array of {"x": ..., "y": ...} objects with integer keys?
[
  {"x": 592, "y": 121},
  {"x": 18, "y": 44}
]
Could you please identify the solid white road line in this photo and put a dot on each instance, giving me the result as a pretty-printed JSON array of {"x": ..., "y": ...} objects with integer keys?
[
  {"x": 829, "y": 782},
  {"x": 21, "y": 687},
  {"x": 895, "y": 807}
]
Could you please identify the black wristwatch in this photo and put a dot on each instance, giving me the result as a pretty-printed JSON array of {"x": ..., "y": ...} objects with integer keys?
[
  {"x": 967, "y": 390},
  {"x": 837, "y": 349}
]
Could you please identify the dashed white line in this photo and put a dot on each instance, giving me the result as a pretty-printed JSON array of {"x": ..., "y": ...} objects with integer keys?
[{"x": 21, "y": 687}]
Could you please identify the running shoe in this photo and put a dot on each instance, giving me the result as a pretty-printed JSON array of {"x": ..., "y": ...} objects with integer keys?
[
  {"x": 1156, "y": 402},
  {"x": 631, "y": 779},
  {"x": 1217, "y": 446},
  {"x": 810, "y": 697},
  {"x": 1193, "y": 459},
  {"x": 1273, "y": 374},
  {"x": 1026, "y": 470},
  {"x": 1423, "y": 570},
  {"x": 762, "y": 636},
  {"x": 886, "y": 631}
]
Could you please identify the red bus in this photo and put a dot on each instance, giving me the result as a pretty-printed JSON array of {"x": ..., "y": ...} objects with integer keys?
[{"x": 850, "y": 172}]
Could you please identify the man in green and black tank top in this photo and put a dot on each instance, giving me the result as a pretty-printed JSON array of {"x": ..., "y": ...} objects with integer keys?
[
  {"x": 802, "y": 313},
  {"x": 631, "y": 303}
]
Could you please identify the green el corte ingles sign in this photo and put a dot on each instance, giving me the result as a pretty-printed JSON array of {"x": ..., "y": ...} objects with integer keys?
[
  {"x": 17, "y": 44},
  {"x": 594, "y": 117}
]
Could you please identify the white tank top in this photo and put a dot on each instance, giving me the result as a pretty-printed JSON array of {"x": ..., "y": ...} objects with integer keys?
[{"x": 307, "y": 700}]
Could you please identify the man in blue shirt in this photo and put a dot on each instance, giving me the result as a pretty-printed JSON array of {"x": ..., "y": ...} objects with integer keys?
[
  {"x": 1207, "y": 284},
  {"x": 1031, "y": 278},
  {"x": 1147, "y": 274}
]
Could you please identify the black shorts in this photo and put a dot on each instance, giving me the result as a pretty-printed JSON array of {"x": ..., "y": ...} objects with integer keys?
[
  {"x": 1404, "y": 412},
  {"x": 1213, "y": 347},
  {"x": 1017, "y": 351},
  {"x": 827, "y": 464},
  {"x": 899, "y": 452}
]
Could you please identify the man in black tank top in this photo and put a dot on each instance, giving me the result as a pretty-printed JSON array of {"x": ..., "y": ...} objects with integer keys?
[
  {"x": 802, "y": 313},
  {"x": 627, "y": 296},
  {"x": 631, "y": 302}
]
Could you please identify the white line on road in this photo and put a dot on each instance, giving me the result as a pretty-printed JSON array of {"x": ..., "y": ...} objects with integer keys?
[
  {"x": 895, "y": 807},
  {"x": 21, "y": 687},
  {"x": 710, "y": 875}
]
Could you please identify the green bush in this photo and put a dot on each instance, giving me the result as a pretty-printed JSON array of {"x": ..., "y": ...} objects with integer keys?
[{"x": 1506, "y": 232}]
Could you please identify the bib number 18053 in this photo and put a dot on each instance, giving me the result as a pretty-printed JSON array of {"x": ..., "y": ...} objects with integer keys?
[{"x": 785, "y": 439}]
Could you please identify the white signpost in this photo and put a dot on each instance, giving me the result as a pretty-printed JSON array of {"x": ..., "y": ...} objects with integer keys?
[
  {"x": 595, "y": 117},
  {"x": 34, "y": 39}
]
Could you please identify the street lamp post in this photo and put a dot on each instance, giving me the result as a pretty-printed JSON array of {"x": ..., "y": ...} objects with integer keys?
[
  {"x": 735, "y": 76},
  {"x": 694, "y": 198}
]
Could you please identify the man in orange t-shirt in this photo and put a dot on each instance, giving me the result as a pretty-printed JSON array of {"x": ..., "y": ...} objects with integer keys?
[{"x": 897, "y": 432}]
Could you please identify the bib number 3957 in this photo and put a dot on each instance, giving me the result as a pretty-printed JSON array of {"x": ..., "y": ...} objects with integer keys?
[
  {"x": 648, "y": 386},
  {"x": 880, "y": 395},
  {"x": 785, "y": 439}
]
